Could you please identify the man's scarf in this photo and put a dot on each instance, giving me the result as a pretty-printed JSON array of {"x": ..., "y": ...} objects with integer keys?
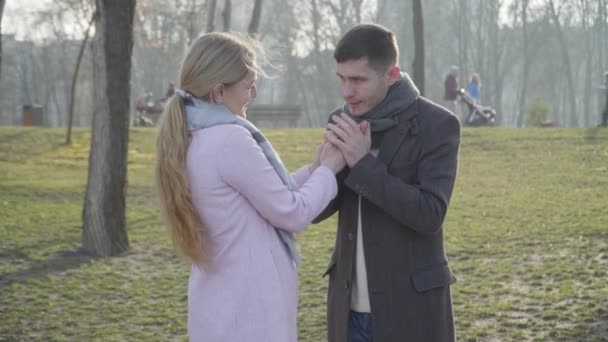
[{"x": 400, "y": 95}]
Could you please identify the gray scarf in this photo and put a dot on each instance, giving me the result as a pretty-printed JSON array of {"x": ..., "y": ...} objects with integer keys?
[
  {"x": 384, "y": 116},
  {"x": 201, "y": 115}
]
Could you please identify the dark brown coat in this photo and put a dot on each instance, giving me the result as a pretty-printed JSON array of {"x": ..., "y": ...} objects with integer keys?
[{"x": 405, "y": 195}]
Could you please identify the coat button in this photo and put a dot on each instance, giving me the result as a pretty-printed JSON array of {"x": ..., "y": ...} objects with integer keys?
[{"x": 351, "y": 236}]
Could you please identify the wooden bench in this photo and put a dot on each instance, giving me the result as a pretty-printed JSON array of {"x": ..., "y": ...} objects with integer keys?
[{"x": 274, "y": 116}]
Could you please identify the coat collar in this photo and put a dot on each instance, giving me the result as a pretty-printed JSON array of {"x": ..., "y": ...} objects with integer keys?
[{"x": 407, "y": 126}]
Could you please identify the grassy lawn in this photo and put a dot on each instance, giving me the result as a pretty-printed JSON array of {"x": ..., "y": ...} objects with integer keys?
[{"x": 526, "y": 234}]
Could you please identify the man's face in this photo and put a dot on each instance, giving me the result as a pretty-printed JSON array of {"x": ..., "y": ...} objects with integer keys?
[{"x": 363, "y": 87}]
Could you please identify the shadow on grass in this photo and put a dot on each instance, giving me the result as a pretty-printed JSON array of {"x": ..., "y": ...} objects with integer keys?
[
  {"x": 28, "y": 141},
  {"x": 8, "y": 138},
  {"x": 597, "y": 331},
  {"x": 595, "y": 133},
  {"x": 60, "y": 262}
]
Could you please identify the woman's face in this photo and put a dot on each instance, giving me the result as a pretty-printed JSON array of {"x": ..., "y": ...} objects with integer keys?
[{"x": 237, "y": 96}]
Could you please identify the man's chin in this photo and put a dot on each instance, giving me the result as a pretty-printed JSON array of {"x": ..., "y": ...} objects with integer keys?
[{"x": 357, "y": 111}]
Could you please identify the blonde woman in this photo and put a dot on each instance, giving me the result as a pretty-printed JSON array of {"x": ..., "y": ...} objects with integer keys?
[{"x": 230, "y": 204}]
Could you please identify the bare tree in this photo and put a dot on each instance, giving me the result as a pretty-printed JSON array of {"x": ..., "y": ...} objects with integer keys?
[
  {"x": 566, "y": 60},
  {"x": 585, "y": 10},
  {"x": 83, "y": 45},
  {"x": 191, "y": 14},
  {"x": 501, "y": 63},
  {"x": 254, "y": 24},
  {"x": 515, "y": 52},
  {"x": 418, "y": 64},
  {"x": 226, "y": 14},
  {"x": 602, "y": 28},
  {"x": 104, "y": 217},
  {"x": 346, "y": 12},
  {"x": 1, "y": 11},
  {"x": 525, "y": 63},
  {"x": 357, "y": 8},
  {"x": 211, "y": 15},
  {"x": 463, "y": 38}
]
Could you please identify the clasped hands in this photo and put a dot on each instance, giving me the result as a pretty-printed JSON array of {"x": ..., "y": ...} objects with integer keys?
[{"x": 345, "y": 143}]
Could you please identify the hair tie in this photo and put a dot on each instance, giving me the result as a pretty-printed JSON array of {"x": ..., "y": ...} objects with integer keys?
[{"x": 182, "y": 93}]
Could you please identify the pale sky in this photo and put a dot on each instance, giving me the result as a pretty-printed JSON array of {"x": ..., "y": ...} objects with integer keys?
[{"x": 17, "y": 18}]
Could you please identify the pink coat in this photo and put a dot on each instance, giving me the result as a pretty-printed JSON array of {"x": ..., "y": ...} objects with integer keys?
[{"x": 252, "y": 292}]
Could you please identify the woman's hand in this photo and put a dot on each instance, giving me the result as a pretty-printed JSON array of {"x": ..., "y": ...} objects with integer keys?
[{"x": 332, "y": 157}]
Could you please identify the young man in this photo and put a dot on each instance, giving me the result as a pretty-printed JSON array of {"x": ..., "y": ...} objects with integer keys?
[{"x": 388, "y": 276}]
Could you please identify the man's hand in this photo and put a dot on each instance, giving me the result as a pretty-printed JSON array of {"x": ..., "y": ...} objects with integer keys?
[{"x": 354, "y": 140}]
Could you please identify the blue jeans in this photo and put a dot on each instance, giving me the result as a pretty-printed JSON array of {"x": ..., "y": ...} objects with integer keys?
[{"x": 360, "y": 327}]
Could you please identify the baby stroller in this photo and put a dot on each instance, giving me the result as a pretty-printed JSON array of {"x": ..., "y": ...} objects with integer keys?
[{"x": 478, "y": 115}]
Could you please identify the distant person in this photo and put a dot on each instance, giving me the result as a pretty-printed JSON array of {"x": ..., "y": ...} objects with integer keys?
[
  {"x": 170, "y": 91},
  {"x": 389, "y": 279},
  {"x": 605, "y": 112},
  {"x": 450, "y": 85},
  {"x": 149, "y": 99},
  {"x": 140, "y": 103},
  {"x": 474, "y": 89},
  {"x": 231, "y": 205}
]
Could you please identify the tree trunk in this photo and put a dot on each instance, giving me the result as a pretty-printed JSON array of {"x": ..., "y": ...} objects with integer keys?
[
  {"x": 83, "y": 45},
  {"x": 211, "y": 16},
  {"x": 588, "y": 62},
  {"x": 419, "y": 46},
  {"x": 104, "y": 226},
  {"x": 603, "y": 30},
  {"x": 464, "y": 36},
  {"x": 566, "y": 58},
  {"x": 191, "y": 17},
  {"x": 477, "y": 30},
  {"x": 254, "y": 24},
  {"x": 587, "y": 92},
  {"x": 525, "y": 65},
  {"x": 226, "y": 14},
  {"x": 495, "y": 48},
  {"x": 316, "y": 28},
  {"x": 2, "y": 2},
  {"x": 380, "y": 11},
  {"x": 357, "y": 8}
]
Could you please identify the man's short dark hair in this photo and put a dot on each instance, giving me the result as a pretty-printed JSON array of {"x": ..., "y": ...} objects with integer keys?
[{"x": 373, "y": 41}]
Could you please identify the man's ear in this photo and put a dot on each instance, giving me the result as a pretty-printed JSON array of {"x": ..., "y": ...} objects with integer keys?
[
  {"x": 217, "y": 93},
  {"x": 393, "y": 74}
]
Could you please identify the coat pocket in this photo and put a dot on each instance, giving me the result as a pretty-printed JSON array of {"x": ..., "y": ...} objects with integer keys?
[{"x": 434, "y": 277}]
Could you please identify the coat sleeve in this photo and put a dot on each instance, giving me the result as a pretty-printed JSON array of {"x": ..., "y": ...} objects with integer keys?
[
  {"x": 301, "y": 175},
  {"x": 421, "y": 206},
  {"x": 249, "y": 172},
  {"x": 334, "y": 204}
]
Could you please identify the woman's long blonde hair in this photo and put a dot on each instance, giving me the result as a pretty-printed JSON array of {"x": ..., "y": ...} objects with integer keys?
[{"x": 214, "y": 58}]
